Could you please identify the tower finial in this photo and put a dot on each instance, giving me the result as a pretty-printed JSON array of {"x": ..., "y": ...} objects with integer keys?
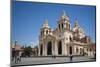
[
  {"x": 46, "y": 23},
  {"x": 64, "y": 13},
  {"x": 76, "y": 22}
]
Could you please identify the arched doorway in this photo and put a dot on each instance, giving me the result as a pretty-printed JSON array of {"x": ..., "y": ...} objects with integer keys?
[
  {"x": 70, "y": 50},
  {"x": 59, "y": 47},
  {"x": 49, "y": 48},
  {"x": 41, "y": 50}
]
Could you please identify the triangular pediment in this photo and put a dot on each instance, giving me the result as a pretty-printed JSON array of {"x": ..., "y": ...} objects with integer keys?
[{"x": 50, "y": 37}]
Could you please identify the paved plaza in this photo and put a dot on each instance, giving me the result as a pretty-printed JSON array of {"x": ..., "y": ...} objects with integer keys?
[{"x": 49, "y": 60}]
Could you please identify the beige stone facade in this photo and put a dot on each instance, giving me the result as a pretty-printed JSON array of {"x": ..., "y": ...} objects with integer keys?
[{"x": 64, "y": 40}]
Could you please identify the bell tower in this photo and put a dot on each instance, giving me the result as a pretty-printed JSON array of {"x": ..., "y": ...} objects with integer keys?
[
  {"x": 78, "y": 31},
  {"x": 64, "y": 23},
  {"x": 45, "y": 30}
]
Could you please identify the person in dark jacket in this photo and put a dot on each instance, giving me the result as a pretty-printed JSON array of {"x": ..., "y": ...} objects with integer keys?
[{"x": 71, "y": 57}]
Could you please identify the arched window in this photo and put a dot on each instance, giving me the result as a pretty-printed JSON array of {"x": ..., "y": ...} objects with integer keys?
[
  {"x": 76, "y": 50},
  {"x": 46, "y": 31},
  {"x": 81, "y": 51},
  {"x": 62, "y": 25},
  {"x": 90, "y": 49},
  {"x": 70, "y": 38},
  {"x": 59, "y": 26}
]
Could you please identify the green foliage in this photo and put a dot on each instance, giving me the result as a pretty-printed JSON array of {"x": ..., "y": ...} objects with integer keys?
[
  {"x": 28, "y": 51},
  {"x": 36, "y": 46}
]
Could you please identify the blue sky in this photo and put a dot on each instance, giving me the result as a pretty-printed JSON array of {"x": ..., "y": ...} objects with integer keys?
[{"x": 28, "y": 18}]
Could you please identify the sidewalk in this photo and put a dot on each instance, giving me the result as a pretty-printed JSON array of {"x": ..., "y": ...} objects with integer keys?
[{"x": 36, "y": 61}]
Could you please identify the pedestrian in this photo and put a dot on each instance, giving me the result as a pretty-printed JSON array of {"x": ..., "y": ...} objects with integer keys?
[
  {"x": 12, "y": 57},
  {"x": 20, "y": 56},
  {"x": 15, "y": 58},
  {"x": 71, "y": 57},
  {"x": 94, "y": 55}
]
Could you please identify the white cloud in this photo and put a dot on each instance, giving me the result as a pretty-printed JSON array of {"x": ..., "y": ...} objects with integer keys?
[{"x": 32, "y": 44}]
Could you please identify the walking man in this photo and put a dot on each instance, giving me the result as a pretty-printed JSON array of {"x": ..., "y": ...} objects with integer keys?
[
  {"x": 20, "y": 56},
  {"x": 71, "y": 57},
  {"x": 15, "y": 57}
]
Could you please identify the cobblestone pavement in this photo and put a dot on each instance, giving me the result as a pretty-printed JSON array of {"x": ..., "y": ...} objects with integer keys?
[{"x": 47, "y": 60}]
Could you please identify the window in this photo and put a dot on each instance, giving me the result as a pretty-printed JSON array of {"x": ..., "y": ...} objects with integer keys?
[
  {"x": 46, "y": 31},
  {"x": 70, "y": 38},
  {"x": 62, "y": 25},
  {"x": 90, "y": 49},
  {"x": 76, "y": 50},
  {"x": 81, "y": 51},
  {"x": 59, "y": 35},
  {"x": 59, "y": 26}
]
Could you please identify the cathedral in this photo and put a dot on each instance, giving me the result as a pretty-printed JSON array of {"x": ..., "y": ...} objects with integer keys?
[{"x": 64, "y": 40}]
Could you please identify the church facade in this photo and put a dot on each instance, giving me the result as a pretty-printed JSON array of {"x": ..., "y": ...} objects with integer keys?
[{"x": 64, "y": 40}]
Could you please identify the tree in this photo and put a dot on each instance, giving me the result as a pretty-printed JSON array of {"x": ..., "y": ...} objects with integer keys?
[
  {"x": 36, "y": 51},
  {"x": 36, "y": 47},
  {"x": 28, "y": 51}
]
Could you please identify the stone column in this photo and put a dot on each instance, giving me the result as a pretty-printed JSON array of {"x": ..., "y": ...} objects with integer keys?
[
  {"x": 63, "y": 48},
  {"x": 52, "y": 48},
  {"x": 79, "y": 50},
  {"x": 43, "y": 50},
  {"x": 73, "y": 50},
  {"x": 67, "y": 50},
  {"x": 45, "y": 47},
  {"x": 56, "y": 48}
]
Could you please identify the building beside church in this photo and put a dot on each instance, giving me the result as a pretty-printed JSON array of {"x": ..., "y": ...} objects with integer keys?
[{"x": 64, "y": 40}]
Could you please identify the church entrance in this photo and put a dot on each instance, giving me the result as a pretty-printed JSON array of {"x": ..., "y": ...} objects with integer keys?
[
  {"x": 49, "y": 48},
  {"x": 41, "y": 50},
  {"x": 59, "y": 47},
  {"x": 70, "y": 50}
]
